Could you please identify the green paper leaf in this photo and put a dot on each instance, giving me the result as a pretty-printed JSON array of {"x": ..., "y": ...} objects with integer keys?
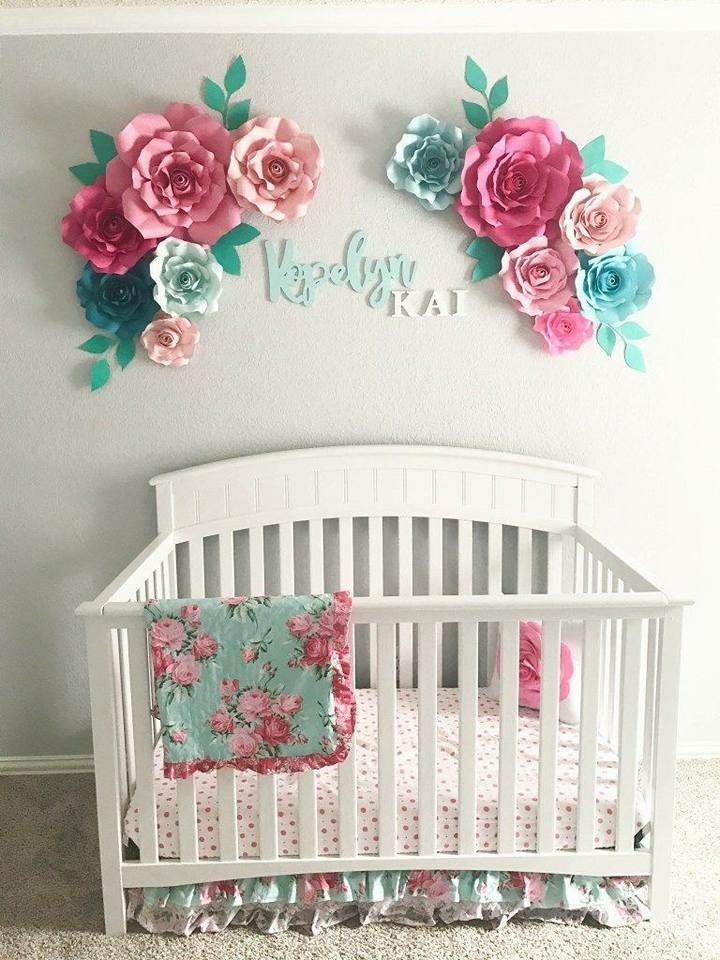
[
  {"x": 87, "y": 173},
  {"x": 488, "y": 255},
  {"x": 498, "y": 93},
  {"x": 606, "y": 338},
  {"x": 96, "y": 344},
  {"x": 611, "y": 171},
  {"x": 235, "y": 75},
  {"x": 634, "y": 358},
  {"x": 633, "y": 331},
  {"x": 226, "y": 255},
  {"x": 99, "y": 374},
  {"x": 213, "y": 95},
  {"x": 237, "y": 114},
  {"x": 476, "y": 115},
  {"x": 593, "y": 152},
  {"x": 475, "y": 75},
  {"x": 239, "y": 235},
  {"x": 103, "y": 145},
  {"x": 125, "y": 352}
]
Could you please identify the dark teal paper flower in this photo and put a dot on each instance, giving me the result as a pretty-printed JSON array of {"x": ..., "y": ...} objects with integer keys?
[{"x": 120, "y": 304}]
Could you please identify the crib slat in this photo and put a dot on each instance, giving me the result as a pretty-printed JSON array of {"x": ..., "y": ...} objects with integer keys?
[
  {"x": 306, "y": 792},
  {"x": 467, "y": 763},
  {"x": 172, "y": 574},
  {"x": 554, "y": 563},
  {"x": 287, "y": 561},
  {"x": 143, "y": 741},
  {"x": 494, "y": 558},
  {"x": 227, "y": 563},
  {"x": 464, "y": 557},
  {"x": 427, "y": 737},
  {"x": 347, "y": 815},
  {"x": 507, "y": 776},
  {"x": 257, "y": 561},
  {"x": 549, "y": 709},
  {"x": 267, "y": 816},
  {"x": 524, "y": 560},
  {"x": 227, "y": 813},
  {"x": 375, "y": 585},
  {"x": 649, "y": 701},
  {"x": 589, "y": 717},
  {"x": 405, "y": 589},
  {"x": 317, "y": 556},
  {"x": 629, "y": 745},
  {"x": 386, "y": 695},
  {"x": 197, "y": 568},
  {"x": 435, "y": 579},
  {"x": 187, "y": 819}
]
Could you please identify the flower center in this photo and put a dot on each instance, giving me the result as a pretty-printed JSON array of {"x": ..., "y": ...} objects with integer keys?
[
  {"x": 166, "y": 339},
  {"x": 277, "y": 169},
  {"x": 185, "y": 279},
  {"x": 433, "y": 163},
  {"x": 612, "y": 279},
  {"x": 181, "y": 180},
  {"x": 600, "y": 219},
  {"x": 112, "y": 226}
]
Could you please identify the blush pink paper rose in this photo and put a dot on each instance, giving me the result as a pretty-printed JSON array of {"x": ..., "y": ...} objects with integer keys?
[
  {"x": 531, "y": 665},
  {"x": 518, "y": 176},
  {"x": 538, "y": 276},
  {"x": 274, "y": 167},
  {"x": 170, "y": 341},
  {"x": 600, "y": 216},
  {"x": 97, "y": 229},
  {"x": 564, "y": 329},
  {"x": 171, "y": 173}
]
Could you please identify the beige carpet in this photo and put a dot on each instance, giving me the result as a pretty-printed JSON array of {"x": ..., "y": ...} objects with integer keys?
[{"x": 50, "y": 906}]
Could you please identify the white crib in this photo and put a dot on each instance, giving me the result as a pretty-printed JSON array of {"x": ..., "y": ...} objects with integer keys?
[{"x": 445, "y": 551}]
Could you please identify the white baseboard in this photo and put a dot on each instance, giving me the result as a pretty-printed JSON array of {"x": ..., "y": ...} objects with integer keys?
[
  {"x": 699, "y": 749},
  {"x": 19, "y": 766}
]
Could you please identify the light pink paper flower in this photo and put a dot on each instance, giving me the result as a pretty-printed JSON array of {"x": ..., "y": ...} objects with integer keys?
[
  {"x": 274, "y": 167},
  {"x": 171, "y": 173},
  {"x": 185, "y": 671},
  {"x": 531, "y": 665},
  {"x": 170, "y": 341},
  {"x": 600, "y": 216},
  {"x": 564, "y": 329},
  {"x": 539, "y": 277},
  {"x": 97, "y": 229},
  {"x": 518, "y": 175},
  {"x": 254, "y": 703}
]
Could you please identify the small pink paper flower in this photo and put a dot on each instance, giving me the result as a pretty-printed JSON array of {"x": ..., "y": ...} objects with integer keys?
[
  {"x": 600, "y": 216},
  {"x": 243, "y": 743},
  {"x": 539, "y": 277},
  {"x": 178, "y": 736},
  {"x": 167, "y": 632},
  {"x": 564, "y": 329},
  {"x": 274, "y": 167},
  {"x": 185, "y": 671},
  {"x": 170, "y": 341},
  {"x": 254, "y": 703}
]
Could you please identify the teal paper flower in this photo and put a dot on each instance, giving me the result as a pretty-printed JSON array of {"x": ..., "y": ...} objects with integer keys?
[
  {"x": 612, "y": 286},
  {"x": 118, "y": 303},
  {"x": 428, "y": 161},
  {"x": 187, "y": 278}
]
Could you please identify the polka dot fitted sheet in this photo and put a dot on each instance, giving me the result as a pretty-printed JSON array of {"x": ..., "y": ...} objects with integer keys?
[{"x": 407, "y": 770}]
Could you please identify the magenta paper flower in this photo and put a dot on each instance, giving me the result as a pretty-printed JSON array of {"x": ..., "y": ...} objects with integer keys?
[
  {"x": 539, "y": 276},
  {"x": 274, "y": 167},
  {"x": 171, "y": 173},
  {"x": 97, "y": 229},
  {"x": 564, "y": 329},
  {"x": 518, "y": 175},
  {"x": 170, "y": 341}
]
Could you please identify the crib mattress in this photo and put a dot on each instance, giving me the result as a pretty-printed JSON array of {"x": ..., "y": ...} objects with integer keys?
[{"x": 407, "y": 771}]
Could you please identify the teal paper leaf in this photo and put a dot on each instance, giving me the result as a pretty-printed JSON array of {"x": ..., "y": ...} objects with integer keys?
[
  {"x": 498, "y": 93},
  {"x": 606, "y": 338},
  {"x": 634, "y": 358},
  {"x": 633, "y": 331},
  {"x": 125, "y": 352},
  {"x": 226, "y": 255},
  {"x": 488, "y": 255},
  {"x": 476, "y": 115},
  {"x": 99, "y": 374},
  {"x": 237, "y": 114},
  {"x": 475, "y": 75},
  {"x": 103, "y": 146},
  {"x": 235, "y": 75},
  {"x": 593, "y": 152},
  {"x": 611, "y": 171},
  {"x": 239, "y": 235},
  {"x": 87, "y": 173},
  {"x": 96, "y": 344},
  {"x": 213, "y": 95}
]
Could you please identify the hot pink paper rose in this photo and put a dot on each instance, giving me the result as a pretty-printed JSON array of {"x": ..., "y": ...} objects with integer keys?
[
  {"x": 185, "y": 670},
  {"x": 170, "y": 341},
  {"x": 254, "y": 703},
  {"x": 221, "y": 721},
  {"x": 289, "y": 703},
  {"x": 97, "y": 229},
  {"x": 531, "y": 665},
  {"x": 518, "y": 175},
  {"x": 274, "y": 167},
  {"x": 167, "y": 633},
  {"x": 600, "y": 216},
  {"x": 171, "y": 173},
  {"x": 204, "y": 646},
  {"x": 243, "y": 743},
  {"x": 538, "y": 276},
  {"x": 274, "y": 731},
  {"x": 564, "y": 329}
]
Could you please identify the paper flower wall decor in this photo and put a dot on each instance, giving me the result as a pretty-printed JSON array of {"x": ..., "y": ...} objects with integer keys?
[
  {"x": 556, "y": 223},
  {"x": 162, "y": 212}
]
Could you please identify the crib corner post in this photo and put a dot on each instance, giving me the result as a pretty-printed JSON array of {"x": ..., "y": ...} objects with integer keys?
[
  {"x": 668, "y": 689},
  {"x": 103, "y": 707}
]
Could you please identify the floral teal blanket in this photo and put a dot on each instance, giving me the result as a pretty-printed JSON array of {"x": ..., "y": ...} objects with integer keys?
[{"x": 255, "y": 683}]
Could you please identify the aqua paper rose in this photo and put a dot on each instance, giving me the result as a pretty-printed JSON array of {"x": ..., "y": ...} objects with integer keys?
[
  {"x": 428, "y": 161},
  {"x": 612, "y": 286},
  {"x": 122, "y": 304},
  {"x": 187, "y": 278}
]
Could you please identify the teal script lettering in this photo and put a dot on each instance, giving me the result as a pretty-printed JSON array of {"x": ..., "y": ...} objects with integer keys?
[{"x": 374, "y": 278}]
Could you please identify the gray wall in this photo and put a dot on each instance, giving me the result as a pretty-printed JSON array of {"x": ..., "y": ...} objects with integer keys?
[{"x": 75, "y": 506}]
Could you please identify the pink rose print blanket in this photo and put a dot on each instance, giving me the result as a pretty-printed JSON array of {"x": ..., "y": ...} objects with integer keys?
[{"x": 255, "y": 683}]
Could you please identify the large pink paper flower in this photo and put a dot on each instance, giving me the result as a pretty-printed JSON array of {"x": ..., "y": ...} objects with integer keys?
[
  {"x": 600, "y": 216},
  {"x": 531, "y": 665},
  {"x": 539, "y": 277},
  {"x": 564, "y": 329},
  {"x": 518, "y": 175},
  {"x": 171, "y": 172},
  {"x": 97, "y": 229},
  {"x": 274, "y": 167},
  {"x": 170, "y": 341}
]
